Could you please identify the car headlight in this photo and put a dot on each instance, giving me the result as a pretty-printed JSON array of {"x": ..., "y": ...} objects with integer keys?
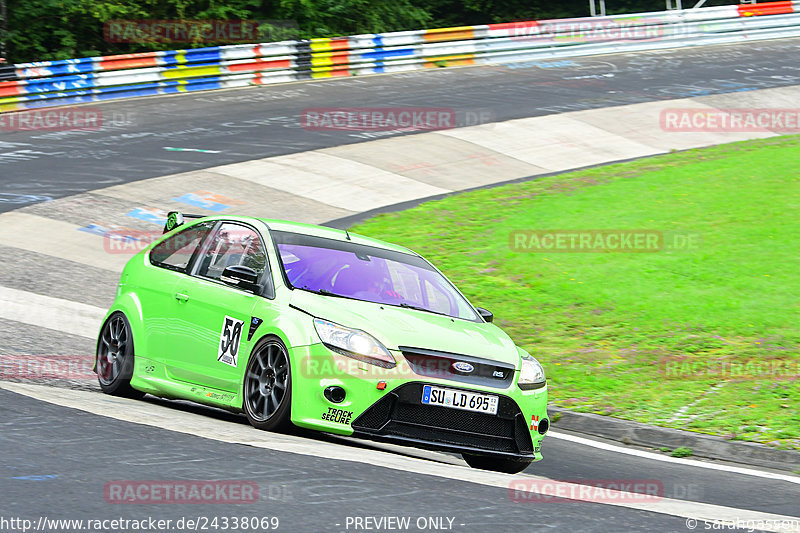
[
  {"x": 353, "y": 343},
  {"x": 531, "y": 374}
]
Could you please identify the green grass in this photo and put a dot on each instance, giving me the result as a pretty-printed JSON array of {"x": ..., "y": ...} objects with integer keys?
[
  {"x": 672, "y": 338},
  {"x": 683, "y": 451}
]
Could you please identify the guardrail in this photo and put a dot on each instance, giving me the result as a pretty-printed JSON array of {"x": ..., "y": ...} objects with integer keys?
[{"x": 93, "y": 79}]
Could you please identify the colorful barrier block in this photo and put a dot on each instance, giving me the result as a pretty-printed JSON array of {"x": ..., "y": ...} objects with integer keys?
[{"x": 92, "y": 79}]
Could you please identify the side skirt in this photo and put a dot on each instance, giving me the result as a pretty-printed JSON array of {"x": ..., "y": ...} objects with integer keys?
[{"x": 150, "y": 376}]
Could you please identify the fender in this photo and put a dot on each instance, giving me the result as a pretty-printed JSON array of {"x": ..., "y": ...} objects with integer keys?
[
  {"x": 128, "y": 304},
  {"x": 285, "y": 326}
]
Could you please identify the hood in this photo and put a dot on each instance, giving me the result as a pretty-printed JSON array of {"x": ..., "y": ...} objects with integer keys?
[{"x": 396, "y": 326}]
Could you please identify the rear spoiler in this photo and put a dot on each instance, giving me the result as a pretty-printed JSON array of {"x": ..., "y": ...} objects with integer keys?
[{"x": 176, "y": 219}]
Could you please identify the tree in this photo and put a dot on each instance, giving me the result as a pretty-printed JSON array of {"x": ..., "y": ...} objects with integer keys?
[
  {"x": 327, "y": 18},
  {"x": 62, "y": 29}
]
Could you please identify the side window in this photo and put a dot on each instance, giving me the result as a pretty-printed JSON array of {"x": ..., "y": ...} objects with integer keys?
[
  {"x": 175, "y": 252},
  {"x": 232, "y": 245}
]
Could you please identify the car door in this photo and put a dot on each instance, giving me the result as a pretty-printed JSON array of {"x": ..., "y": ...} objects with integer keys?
[
  {"x": 170, "y": 261},
  {"x": 216, "y": 317}
]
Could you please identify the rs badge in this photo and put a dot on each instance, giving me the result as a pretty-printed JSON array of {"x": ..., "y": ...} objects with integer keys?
[{"x": 229, "y": 341}]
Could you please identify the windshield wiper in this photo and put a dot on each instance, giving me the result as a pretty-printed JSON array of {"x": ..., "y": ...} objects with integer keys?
[
  {"x": 324, "y": 292},
  {"x": 404, "y": 305}
]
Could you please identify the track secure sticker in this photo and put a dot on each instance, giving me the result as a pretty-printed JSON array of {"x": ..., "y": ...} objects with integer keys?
[
  {"x": 229, "y": 341},
  {"x": 337, "y": 415}
]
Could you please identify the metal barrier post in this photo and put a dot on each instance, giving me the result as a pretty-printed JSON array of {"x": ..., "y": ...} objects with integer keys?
[
  {"x": 3, "y": 30},
  {"x": 593, "y": 8}
]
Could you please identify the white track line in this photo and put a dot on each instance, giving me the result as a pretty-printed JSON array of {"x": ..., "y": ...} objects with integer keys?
[
  {"x": 686, "y": 462},
  {"x": 140, "y": 412},
  {"x": 51, "y": 313}
]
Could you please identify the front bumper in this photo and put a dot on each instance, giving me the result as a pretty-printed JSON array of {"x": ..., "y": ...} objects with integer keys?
[
  {"x": 396, "y": 414},
  {"x": 400, "y": 416}
]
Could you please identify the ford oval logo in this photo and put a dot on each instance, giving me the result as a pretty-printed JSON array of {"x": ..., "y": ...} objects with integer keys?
[{"x": 463, "y": 367}]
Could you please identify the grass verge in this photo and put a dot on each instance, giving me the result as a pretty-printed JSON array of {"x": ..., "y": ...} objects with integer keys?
[{"x": 701, "y": 335}]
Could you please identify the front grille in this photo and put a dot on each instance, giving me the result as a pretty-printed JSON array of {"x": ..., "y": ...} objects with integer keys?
[
  {"x": 400, "y": 416},
  {"x": 434, "y": 364}
]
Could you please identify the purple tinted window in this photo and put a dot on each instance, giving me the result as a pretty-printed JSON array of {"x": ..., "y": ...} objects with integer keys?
[{"x": 367, "y": 273}]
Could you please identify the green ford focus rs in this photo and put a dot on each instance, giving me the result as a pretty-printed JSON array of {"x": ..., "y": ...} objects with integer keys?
[{"x": 295, "y": 324}]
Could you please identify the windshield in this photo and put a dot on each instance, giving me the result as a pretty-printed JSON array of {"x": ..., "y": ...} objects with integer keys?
[{"x": 367, "y": 273}]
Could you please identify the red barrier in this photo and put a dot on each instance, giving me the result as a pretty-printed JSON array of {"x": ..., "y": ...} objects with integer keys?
[
  {"x": 340, "y": 58},
  {"x": 11, "y": 88},
  {"x": 123, "y": 62},
  {"x": 769, "y": 8},
  {"x": 340, "y": 43}
]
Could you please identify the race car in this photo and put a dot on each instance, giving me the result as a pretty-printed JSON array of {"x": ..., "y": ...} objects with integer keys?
[{"x": 304, "y": 325}]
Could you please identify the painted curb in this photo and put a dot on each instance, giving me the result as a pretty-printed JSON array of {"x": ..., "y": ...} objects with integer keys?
[{"x": 705, "y": 446}]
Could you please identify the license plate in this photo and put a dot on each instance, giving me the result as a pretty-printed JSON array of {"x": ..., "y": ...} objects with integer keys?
[{"x": 457, "y": 399}]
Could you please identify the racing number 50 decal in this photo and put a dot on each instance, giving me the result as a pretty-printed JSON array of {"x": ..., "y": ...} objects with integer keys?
[{"x": 229, "y": 341}]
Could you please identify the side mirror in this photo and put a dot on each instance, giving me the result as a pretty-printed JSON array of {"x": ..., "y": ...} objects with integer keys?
[
  {"x": 485, "y": 314},
  {"x": 241, "y": 276}
]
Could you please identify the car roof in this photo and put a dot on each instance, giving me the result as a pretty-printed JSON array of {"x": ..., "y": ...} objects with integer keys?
[{"x": 318, "y": 231}]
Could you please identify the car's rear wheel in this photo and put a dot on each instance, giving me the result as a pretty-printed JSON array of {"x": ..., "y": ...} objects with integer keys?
[
  {"x": 497, "y": 464},
  {"x": 115, "y": 359},
  {"x": 267, "y": 386}
]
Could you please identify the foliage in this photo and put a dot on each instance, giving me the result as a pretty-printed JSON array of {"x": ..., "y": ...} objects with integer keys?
[
  {"x": 683, "y": 451},
  {"x": 41, "y": 30}
]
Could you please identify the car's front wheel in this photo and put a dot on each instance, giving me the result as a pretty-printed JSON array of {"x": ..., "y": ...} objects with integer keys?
[
  {"x": 267, "y": 388},
  {"x": 114, "y": 363},
  {"x": 497, "y": 464}
]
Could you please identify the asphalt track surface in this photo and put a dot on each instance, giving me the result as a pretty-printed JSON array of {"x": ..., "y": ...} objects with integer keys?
[
  {"x": 306, "y": 494},
  {"x": 56, "y": 460},
  {"x": 245, "y": 124}
]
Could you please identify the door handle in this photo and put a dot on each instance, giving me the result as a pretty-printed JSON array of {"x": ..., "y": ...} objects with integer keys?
[{"x": 181, "y": 297}]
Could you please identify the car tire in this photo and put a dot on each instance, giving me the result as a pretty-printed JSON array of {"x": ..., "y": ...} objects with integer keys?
[
  {"x": 114, "y": 359},
  {"x": 267, "y": 386},
  {"x": 497, "y": 464}
]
